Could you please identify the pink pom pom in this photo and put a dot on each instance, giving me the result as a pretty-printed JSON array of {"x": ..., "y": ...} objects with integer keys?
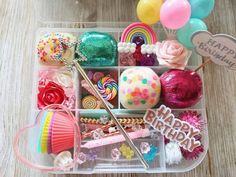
[
  {"x": 193, "y": 118},
  {"x": 194, "y": 154}
]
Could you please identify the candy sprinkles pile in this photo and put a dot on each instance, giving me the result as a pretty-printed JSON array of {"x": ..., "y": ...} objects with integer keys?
[{"x": 123, "y": 97}]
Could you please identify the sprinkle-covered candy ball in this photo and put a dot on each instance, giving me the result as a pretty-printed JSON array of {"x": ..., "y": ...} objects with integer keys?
[
  {"x": 53, "y": 48},
  {"x": 181, "y": 88},
  {"x": 139, "y": 88}
]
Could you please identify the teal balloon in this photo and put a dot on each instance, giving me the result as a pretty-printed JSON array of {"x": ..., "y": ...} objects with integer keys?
[
  {"x": 201, "y": 8},
  {"x": 184, "y": 35}
]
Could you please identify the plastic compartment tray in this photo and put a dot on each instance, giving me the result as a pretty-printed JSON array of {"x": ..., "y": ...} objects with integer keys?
[{"x": 104, "y": 163}]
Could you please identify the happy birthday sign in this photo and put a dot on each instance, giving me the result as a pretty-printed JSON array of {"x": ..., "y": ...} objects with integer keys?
[
  {"x": 172, "y": 128},
  {"x": 221, "y": 48}
]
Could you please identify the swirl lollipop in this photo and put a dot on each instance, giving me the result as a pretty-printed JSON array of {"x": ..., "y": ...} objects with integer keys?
[
  {"x": 107, "y": 87},
  {"x": 90, "y": 102}
]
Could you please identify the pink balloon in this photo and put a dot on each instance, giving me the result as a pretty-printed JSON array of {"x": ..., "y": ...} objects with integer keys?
[{"x": 175, "y": 13}]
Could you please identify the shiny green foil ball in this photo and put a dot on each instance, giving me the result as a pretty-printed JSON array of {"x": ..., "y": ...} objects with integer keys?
[{"x": 100, "y": 49}]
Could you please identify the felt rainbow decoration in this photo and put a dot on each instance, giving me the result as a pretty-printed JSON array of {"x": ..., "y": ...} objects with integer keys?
[{"x": 139, "y": 29}]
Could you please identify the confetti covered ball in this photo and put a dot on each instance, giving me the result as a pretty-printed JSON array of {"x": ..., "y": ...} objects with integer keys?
[{"x": 139, "y": 88}]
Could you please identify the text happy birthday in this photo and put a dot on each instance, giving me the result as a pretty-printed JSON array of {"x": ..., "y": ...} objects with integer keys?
[
  {"x": 172, "y": 128},
  {"x": 219, "y": 51}
]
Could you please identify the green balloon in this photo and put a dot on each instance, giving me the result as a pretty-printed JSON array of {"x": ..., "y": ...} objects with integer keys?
[{"x": 184, "y": 35}]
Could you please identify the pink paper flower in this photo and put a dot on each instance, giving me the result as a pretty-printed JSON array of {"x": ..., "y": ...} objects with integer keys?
[{"x": 172, "y": 54}]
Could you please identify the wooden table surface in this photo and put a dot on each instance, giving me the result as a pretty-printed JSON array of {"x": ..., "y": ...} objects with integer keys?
[{"x": 18, "y": 24}]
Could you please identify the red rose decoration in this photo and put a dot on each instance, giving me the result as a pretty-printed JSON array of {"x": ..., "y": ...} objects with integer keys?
[{"x": 50, "y": 94}]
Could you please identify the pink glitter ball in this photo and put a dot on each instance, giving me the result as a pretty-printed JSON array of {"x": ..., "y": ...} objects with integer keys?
[
  {"x": 193, "y": 118},
  {"x": 194, "y": 154},
  {"x": 181, "y": 88}
]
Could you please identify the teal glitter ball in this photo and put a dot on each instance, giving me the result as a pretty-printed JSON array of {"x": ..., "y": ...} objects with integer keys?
[{"x": 100, "y": 49}]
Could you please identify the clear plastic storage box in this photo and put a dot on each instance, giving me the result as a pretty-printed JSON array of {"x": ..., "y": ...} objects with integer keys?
[{"x": 68, "y": 16}]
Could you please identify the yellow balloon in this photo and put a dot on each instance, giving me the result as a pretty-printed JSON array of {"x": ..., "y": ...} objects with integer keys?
[{"x": 148, "y": 11}]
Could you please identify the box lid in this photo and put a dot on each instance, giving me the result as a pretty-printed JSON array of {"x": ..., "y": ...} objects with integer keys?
[{"x": 77, "y": 11}]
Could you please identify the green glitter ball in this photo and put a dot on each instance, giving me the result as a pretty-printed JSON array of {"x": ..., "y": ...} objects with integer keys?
[{"x": 100, "y": 49}]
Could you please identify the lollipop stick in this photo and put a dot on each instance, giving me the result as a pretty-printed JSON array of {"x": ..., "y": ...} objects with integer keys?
[
  {"x": 123, "y": 132},
  {"x": 203, "y": 64}
]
